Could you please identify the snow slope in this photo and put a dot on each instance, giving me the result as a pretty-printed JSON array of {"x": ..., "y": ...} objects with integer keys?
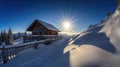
[
  {"x": 99, "y": 46},
  {"x": 112, "y": 29}
]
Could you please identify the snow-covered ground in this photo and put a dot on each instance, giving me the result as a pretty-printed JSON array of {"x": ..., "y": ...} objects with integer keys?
[
  {"x": 99, "y": 46},
  {"x": 18, "y": 41},
  {"x": 45, "y": 54}
]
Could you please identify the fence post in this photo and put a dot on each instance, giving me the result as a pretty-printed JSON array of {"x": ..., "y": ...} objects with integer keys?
[
  {"x": 16, "y": 50},
  {"x": 24, "y": 37},
  {"x": 36, "y": 45},
  {"x": 4, "y": 55}
]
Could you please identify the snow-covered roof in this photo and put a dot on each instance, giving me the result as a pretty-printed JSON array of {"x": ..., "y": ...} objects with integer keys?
[{"x": 47, "y": 25}]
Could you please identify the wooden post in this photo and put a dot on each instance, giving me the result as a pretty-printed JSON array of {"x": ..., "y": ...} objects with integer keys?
[
  {"x": 24, "y": 38},
  {"x": 36, "y": 45},
  {"x": 4, "y": 55},
  {"x": 16, "y": 50}
]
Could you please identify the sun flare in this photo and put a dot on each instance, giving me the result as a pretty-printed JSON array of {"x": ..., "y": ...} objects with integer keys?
[
  {"x": 67, "y": 21},
  {"x": 67, "y": 25}
]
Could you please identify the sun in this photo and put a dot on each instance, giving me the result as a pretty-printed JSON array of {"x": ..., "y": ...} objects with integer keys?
[
  {"x": 67, "y": 25},
  {"x": 67, "y": 21}
]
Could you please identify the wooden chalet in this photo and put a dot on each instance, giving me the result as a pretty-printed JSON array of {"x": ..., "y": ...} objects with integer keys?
[{"x": 39, "y": 27}]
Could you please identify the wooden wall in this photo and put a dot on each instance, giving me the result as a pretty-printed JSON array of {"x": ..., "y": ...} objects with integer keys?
[{"x": 39, "y": 29}]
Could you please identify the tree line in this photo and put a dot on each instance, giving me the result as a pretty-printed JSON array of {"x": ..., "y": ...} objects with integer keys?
[{"x": 7, "y": 37}]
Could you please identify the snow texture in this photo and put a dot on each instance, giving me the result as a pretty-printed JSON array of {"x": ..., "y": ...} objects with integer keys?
[
  {"x": 48, "y": 26},
  {"x": 99, "y": 46}
]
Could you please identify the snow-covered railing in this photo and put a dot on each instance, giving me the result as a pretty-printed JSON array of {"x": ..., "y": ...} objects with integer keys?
[
  {"x": 29, "y": 38},
  {"x": 9, "y": 52}
]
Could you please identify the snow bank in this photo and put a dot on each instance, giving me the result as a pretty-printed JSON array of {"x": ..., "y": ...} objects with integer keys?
[{"x": 112, "y": 29}]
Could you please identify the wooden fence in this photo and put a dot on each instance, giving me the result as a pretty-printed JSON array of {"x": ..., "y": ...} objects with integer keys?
[
  {"x": 9, "y": 52},
  {"x": 39, "y": 37}
]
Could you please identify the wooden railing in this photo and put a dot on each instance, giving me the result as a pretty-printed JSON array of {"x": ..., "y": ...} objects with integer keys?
[
  {"x": 39, "y": 37},
  {"x": 9, "y": 52}
]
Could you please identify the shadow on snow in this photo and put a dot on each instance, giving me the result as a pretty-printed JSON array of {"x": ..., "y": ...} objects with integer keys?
[{"x": 99, "y": 40}]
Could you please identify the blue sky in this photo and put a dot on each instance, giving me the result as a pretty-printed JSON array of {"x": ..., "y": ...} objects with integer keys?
[{"x": 19, "y": 14}]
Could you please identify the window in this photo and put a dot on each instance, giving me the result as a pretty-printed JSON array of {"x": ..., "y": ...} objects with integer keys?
[{"x": 34, "y": 33}]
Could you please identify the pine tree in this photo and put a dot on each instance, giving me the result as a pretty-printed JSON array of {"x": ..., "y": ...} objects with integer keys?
[
  {"x": 5, "y": 37},
  {"x": 10, "y": 36},
  {"x": 19, "y": 35},
  {"x": 25, "y": 33},
  {"x": 2, "y": 36}
]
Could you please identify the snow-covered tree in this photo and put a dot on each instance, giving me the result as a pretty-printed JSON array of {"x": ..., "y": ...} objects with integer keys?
[
  {"x": 10, "y": 36},
  {"x": 2, "y": 36},
  {"x": 6, "y": 38}
]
